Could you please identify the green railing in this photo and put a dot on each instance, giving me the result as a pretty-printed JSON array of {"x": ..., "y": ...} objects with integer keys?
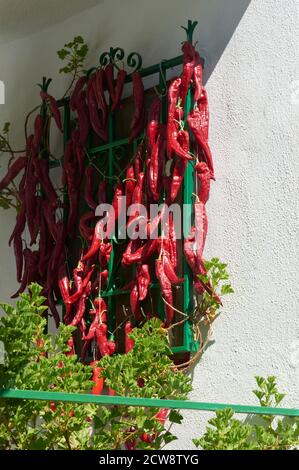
[{"x": 106, "y": 400}]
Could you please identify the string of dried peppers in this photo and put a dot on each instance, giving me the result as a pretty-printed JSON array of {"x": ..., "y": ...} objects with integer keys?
[{"x": 145, "y": 182}]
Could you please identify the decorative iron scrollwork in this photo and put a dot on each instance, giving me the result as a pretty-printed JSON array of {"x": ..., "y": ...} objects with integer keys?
[{"x": 116, "y": 55}]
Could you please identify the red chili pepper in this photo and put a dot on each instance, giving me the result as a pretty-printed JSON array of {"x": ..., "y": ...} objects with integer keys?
[
  {"x": 152, "y": 227},
  {"x": 30, "y": 199},
  {"x": 83, "y": 118},
  {"x": 130, "y": 184},
  {"x": 37, "y": 220},
  {"x": 59, "y": 245},
  {"x": 147, "y": 438},
  {"x": 153, "y": 170},
  {"x": 116, "y": 202},
  {"x": 203, "y": 107},
  {"x": 101, "y": 282},
  {"x": 102, "y": 341},
  {"x": 72, "y": 180},
  {"x": 133, "y": 253},
  {"x": 173, "y": 136},
  {"x": 201, "y": 226},
  {"x": 105, "y": 253},
  {"x": 129, "y": 343},
  {"x": 138, "y": 160},
  {"x": 13, "y": 172},
  {"x": 166, "y": 291},
  {"x": 95, "y": 118},
  {"x": 169, "y": 270},
  {"x": 134, "y": 303},
  {"x": 38, "y": 135},
  {"x": 153, "y": 122},
  {"x": 100, "y": 317},
  {"x": 88, "y": 188},
  {"x": 197, "y": 80},
  {"x": 81, "y": 284},
  {"x": 42, "y": 170},
  {"x": 120, "y": 82},
  {"x": 112, "y": 349},
  {"x": 75, "y": 96},
  {"x": 53, "y": 108},
  {"x": 189, "y": 250},
  {"x": 102, "y": 192},
  {"x": 189, "y": 54},
  {"x": 144, "y": 280},
  {"x": 162, "y": 415},
  {"x": 30, "y": 270},
  {"x": 173, "y": 96},
  {"x": 179, "y": 166},
  {"x": 96, "y": 241},
  {"x": 148, "y": 250},
  {"x": 173, "y": 253},
  {"x": 138, "y": 121},
  {"x": 98, "y": 85},
  {"x": 137, "y": 197},
  {"x": 20, "y": 222},
  {"x": 49, "y": 215},
  {"x": 161, "y": 158},
  {"x": 195, "y": 124},
  {"x": 18, "y": 250},
  {"x": 97, "y": 379},
  {"x": 79, "y": 152},
  {"x": 64, "y": 286},
  {"x": 81, "y": 306},
  {"x": 109, "y": 79},
  {"x": 71, "y": 346},
  {"x": 45, "y": 246},
  {"x": 204, "y": 176},
  {"x": 86, "y": 231}
]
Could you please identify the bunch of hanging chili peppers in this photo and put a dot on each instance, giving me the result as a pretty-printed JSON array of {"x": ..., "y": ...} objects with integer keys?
[{"x": 146, "y": 182}]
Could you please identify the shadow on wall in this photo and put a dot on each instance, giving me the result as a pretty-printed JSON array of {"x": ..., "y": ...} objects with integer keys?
[{"x": 218, "y": 21}]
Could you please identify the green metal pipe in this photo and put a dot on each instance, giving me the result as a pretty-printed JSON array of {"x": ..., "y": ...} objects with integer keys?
[{"x": 144, "y": 402}]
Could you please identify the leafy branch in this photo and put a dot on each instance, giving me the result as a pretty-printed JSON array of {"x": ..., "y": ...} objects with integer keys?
[{"x": 228, "y": 433}]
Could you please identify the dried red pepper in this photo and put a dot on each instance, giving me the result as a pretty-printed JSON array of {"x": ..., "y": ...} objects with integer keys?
[
  {"x": 129, "y": 342},
  {"x": 109, "y": 80},
  {"x": 180, "y": 166},
  {"x": 189, "y": 55},
  {"x": 195, "y": 123},
  {"x": 144, "y": 280},
  {"x": 166, "y": 291},
  {"x": 120, "y": 82},
  {"x": 76, "y": 94},
  {"x": 95, "y": 118},
  {"x": 18, "y": 250},
  {"x": 204, "y": 177},
  {"x": 130, "y": 184},
  {"x": 85, "y": 231},
  {"x": 88, "y": 188},
  {"x": 135, "y": 303},
  {"x": 100, "y": 95},
  {"x": 42, "y": 170},
  {"x": 13, "y": 172},
  {"x": 53, "y": 108},
  {"x": 138, "y": 121},
  {"x": 81, "y": 306}
]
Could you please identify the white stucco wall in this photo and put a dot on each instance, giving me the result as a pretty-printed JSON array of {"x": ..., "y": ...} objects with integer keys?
[{"x": 252, "y": 85}]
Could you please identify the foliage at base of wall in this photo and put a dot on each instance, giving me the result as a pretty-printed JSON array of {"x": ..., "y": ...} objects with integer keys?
[
  {"x": 34, "y": 361},
  {"x": 271, "y": 433}
]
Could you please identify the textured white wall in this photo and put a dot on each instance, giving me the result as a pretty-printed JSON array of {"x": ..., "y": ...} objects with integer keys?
[{"x": 252, "y": 85}]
